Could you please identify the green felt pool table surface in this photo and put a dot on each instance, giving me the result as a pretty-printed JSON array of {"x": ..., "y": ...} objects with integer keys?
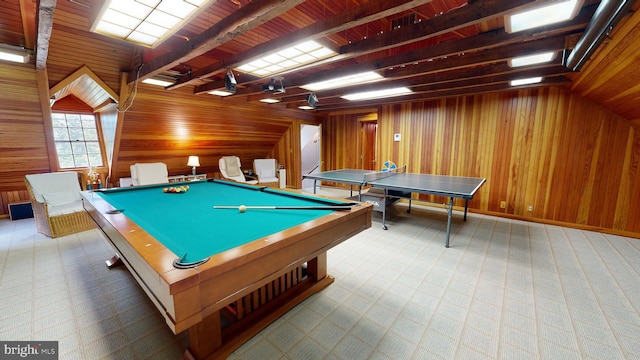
[
  {"x": 188, "y": 224},
  {"x": 260, "y": 264}
]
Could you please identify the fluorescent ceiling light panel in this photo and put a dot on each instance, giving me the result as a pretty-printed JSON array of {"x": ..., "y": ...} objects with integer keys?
[
  {"x": 355, "y": 79},
  {"x": 145, "y": 22},
  {"x": 160, "y": 80},
  {"x": 377, "y": 94},
  {"x": 543, "y": 15},
  {"x": 526, "y": 81},
  {"x": 18, "y": 55},
  {"x": 306, "y": 107},
  {"x": 270, "y": 101},
  {"x": 286, "y": 59},
  {"x": 220, "y": 93},
  {"x": 532, "y": 59}
]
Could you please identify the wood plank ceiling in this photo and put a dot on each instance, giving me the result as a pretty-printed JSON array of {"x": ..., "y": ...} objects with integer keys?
[{"x": 440, "y": 48}]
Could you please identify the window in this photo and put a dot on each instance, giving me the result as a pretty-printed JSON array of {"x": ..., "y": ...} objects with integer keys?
[{"x": 76, "y": 139}]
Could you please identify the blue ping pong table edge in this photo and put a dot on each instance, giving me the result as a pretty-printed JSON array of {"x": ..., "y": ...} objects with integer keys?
[
  {"x": 323, "y": 177},
  {"x": 466, "y": 196}
]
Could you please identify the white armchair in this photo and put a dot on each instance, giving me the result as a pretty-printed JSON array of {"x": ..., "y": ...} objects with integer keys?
[
  {"x": 57, "y": 205},
  {"x": 230, "y": 168},
  {"x": 149, "y": 173},
  {"x": 266, "y": 170}
]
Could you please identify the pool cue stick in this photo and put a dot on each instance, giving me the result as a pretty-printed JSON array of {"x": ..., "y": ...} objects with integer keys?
[{"x": 335, "y": 207}]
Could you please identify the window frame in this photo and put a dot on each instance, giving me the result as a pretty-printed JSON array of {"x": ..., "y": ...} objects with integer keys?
[{"x": 98, "y": 124}]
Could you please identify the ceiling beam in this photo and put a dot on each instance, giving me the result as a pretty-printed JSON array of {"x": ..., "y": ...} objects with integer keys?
[
  {"x": 503, "y": 44},
  {"x": 473, "y": 58},
  {"x": 483, "y": 41},
  {"x": 28, "y": 14},
  {"x": 488, "y": 40},
  {"x": 371, "y": 11},
  {"x": 45, "y": 25},
  {"x": 455, "y": 79},
  {"x": 434, "y": 95},
  {"x": 246, "y": 18},
  {"x": 470, "y": 14}
]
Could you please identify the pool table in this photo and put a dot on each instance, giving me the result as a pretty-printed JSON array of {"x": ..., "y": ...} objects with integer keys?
[{"x": 219, "y": 273}]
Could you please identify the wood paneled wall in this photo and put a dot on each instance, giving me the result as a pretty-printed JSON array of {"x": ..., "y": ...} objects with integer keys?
[
  {"x": 23, "y": 148},
  {"x": 340, "y": 142},
  {"x": 572, "y": 161},
  {"x": 170, "y": 126},
  {"x": 285, "y": 153}
]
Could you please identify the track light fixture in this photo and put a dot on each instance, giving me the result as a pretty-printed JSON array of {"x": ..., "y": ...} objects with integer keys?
[
  {"x": 230, "y": 82},
  {"x": 312, "y": 100},
  {"x": 274, "y": 86}
]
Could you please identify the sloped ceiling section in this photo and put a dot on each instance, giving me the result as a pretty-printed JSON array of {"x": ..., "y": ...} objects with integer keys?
[
  {"x": 612, "y": 77},
  {"x": 86, "y": 86}
]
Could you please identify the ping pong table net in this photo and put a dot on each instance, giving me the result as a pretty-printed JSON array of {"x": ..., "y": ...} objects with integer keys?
[{"x": 377, "y": 175}]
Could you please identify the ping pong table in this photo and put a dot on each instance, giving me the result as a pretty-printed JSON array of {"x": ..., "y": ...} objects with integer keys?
[{"x": 400, "y": 184}]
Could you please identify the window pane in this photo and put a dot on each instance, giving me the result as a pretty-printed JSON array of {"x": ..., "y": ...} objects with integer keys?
[
  {"x": 66, "y": 161},
  {"x": 90, "y": 134},
  {"x": 88, "y": 121},
  {"x": 59, "y": 120},
  {"x": 58, "y": 117},
  {"x": 95, "y": 160},
  {"x": 73, "y": 120},
  {"x": 81, "y": 160},
  {"x": 76, "y": 134},
  {"x": 63, "y": 148},
  {"x": 93, "y": 148},
  {"x": 79, "y": 148},
  {"x": 60, "y": 134}
]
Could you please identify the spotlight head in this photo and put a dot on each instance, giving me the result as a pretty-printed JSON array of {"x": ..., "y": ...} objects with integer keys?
[
  {"x": 274, "y": 86},
  {"x": 269, "y": 87},
  {"x": 312, "y": 100},
  {"x": 230, "y": 82}
]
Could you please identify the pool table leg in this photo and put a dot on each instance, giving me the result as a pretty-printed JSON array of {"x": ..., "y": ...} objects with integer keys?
[
  {"x": 205, "y": 338},
  {"x": 317, "y": 268}
]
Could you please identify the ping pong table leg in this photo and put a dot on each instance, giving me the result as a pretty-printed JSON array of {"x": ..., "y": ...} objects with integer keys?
[
  {"x": 466, "y": 206},
  {"x": 314, "y": 185},
  {"x": 446, "y": 244},
  {"x": 384, "y": 209}
]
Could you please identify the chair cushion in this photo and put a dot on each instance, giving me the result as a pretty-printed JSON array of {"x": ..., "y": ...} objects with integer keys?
[
  {"x": 59, "y": 198},
  {"x": 231, "y": 165},
  {"x": 265, "y": 168},
  {"x": 66, "y": 209},
  {"x": 51, "y": 183},
  {"x": 149, "y": 173}
]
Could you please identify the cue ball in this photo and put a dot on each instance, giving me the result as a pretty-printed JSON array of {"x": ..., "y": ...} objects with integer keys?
[{"x": 242, "y": 208}]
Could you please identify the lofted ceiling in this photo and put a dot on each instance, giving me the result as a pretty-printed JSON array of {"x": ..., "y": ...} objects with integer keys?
[{"x": 438, "y": 48}]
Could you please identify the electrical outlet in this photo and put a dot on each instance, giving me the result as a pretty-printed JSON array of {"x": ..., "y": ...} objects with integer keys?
[
  {"x": 530, "y": 208},
  {"x": 503, "y": 204}
]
